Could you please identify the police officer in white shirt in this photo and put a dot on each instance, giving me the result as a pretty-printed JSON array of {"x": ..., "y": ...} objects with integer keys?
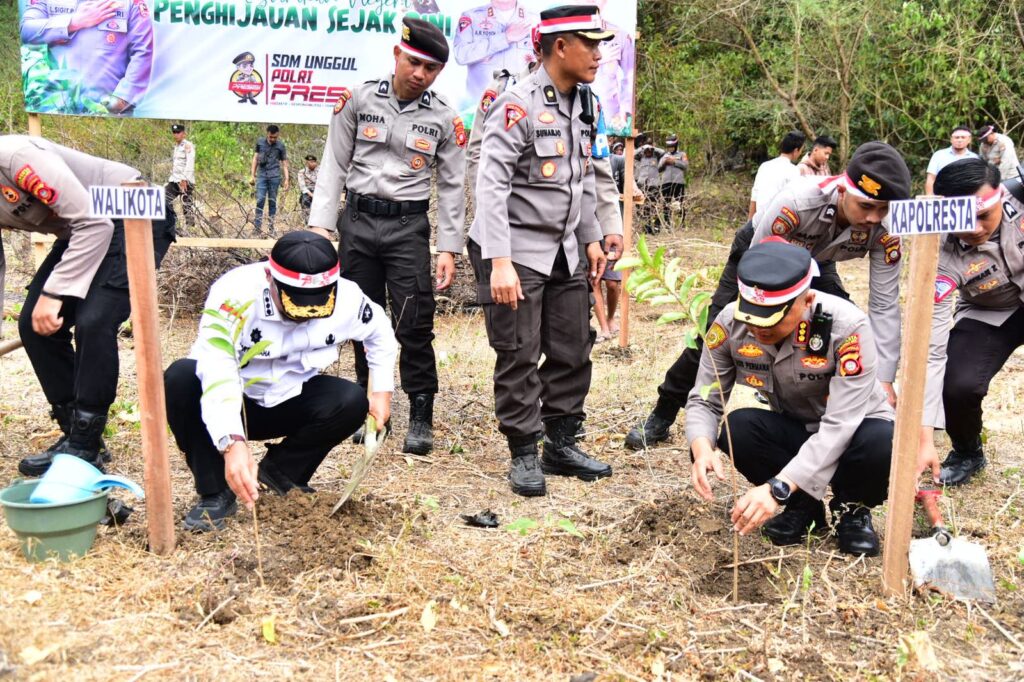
[{"x": 298, "y": 304}]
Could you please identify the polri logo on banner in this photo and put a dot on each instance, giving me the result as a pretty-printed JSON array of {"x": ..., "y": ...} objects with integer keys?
[
  {"x": 138, "y": 203},
  {"x": 933, "y": 216}
]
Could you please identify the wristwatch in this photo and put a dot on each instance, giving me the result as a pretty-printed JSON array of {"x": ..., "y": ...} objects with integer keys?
[
  {"x": 780, "y": 490},
  {"x": 227, "y": 441}
]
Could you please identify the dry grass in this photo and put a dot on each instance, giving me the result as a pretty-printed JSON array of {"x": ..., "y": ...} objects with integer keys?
[{"x": 643, "y": 594}]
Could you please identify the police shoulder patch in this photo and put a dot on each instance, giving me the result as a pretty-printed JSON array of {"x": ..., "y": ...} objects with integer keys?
[
  {"x": 465, "y": 22},
  {"x": 513, "y": 115},
  {"x": 716, "y": 336},
  {"x": 343, "y": 98},
  {"x": 944, "y": 286},
  {"x": 487, "y": 100},
  {"x": 367, "y": 313},
  {"x": 460, "y": 132},
  {"x": 27, "y": 179}
]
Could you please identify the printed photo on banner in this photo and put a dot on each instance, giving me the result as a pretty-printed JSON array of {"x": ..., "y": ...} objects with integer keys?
[{"x": 287, "y": 61}]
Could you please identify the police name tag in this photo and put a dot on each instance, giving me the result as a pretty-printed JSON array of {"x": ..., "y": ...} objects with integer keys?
[
  {"x": 137, "y": 203},
  {"x": 933, "y": 216}
]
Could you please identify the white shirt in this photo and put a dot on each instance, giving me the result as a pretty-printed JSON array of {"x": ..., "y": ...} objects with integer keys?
[
  {"x": 298, "y": 351},
  {"x": 944, "y": 157},
  {"x": 183, "y": 163},
  {"x": 771, "y": 177}
]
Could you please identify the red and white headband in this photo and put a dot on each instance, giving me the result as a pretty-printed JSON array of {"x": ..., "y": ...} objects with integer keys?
[
  {"x": 843, "y": 179},
  {"x": 759, "y": 296},
  {"x": 991, "y": 199},
  {"x": 302, "y": 280},
  {"x": 420, "y": 54}
]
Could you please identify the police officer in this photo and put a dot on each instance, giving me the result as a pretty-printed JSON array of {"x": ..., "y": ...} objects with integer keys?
[
  {"x": 838, "y": 219},
  {"x": 673, "y": 166},
  {"x": 533, "y": 206},
  {"x": 812, "y": 355},
  {"x": 297, "y": 304},
  {"x": 81, "y": 288},
  {"x": 110, "y": 43},
  {"x": 987, "y": 268},
  {"x": 385, "y": 140},
  {"x": 307, "y": 183},
  {"x": 182, "y": 182},
  {"x": 493, "y": 37}
]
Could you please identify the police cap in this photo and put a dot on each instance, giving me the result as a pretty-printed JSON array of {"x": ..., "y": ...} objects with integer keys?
[
  {"x": 583, "y": 20},
  {"x": 244, "y": 57},
  {"x": 877, "y": 171},
  {"x": 177, "y": 128},
  {"x": 771, "y": 276},
  {"x": 423, "y": 40},
  {"x": 672, "y": 140},
  {"x": 305, "y": 267},
  {"x": 310, "y": 157},
  {"x": 984, "y": 131}
]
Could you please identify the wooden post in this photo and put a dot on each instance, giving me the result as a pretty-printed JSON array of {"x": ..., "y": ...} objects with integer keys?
[
  {"x": 627, "y": 238},
  {"x": 138, "y": 238},
  {"x": 35, "y": 125},
  {"x": 40, "y": 245},
  {"x": 924, "y": 259}
]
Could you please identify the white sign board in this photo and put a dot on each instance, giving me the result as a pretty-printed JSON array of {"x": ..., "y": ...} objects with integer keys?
[
  {"x": 933, "y": 216},
  {"x": 138, "y": 203}
]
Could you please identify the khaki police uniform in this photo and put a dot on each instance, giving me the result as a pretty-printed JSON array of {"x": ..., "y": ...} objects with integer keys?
[
  {"x": 183, "y": 167},
  {"x": 829, "y": 419},
  {"x": 385, "y": 156},
  {"x": 532, "y": 196},
  {"x": 987, "y": 324},
  {"x": 45, "y": 189}
]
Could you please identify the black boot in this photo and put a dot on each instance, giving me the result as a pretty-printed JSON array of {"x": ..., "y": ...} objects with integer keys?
[
  {"x": 563, "y": 458},
  {"x": 37, "y": 465},
  {"x": 360, "y": 435},
  {"x": 420, "y": 438},
  {"x": 794, "y": 523},
  {"x": 655, "y": 428},
  {"x": 525, "y": 475},
  {"x": 87, "y": 436},
  {"x": 962, "y": 462},
  {"x": 272, "y": 478},
  {"x": 854, "y": 531}
]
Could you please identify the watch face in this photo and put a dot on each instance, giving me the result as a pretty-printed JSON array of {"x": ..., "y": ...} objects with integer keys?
[{"x": 780, "y": 491}]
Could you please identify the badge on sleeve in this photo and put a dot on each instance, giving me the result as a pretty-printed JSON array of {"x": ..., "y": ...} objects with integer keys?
[
  {"x": 849, "y": 356},
  {"x": 367, "y": 313},
  {"x": 513, "y": 115},
  {"x": 892, "y": 249},
  {"x": 944, "y": 286},
  {"x": 790, "y": 217},
  {"x": 27, "y": 179},
  {"x": 10, "y": 194},
  {"x": 715, "y": 337},
  {"x": 343, "y": 99},
  {"x": 487, "y": 100},
  {"x": 460, "y": 132}
]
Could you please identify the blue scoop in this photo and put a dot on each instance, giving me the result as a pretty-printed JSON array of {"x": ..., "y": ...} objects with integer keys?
[{"x": 70, "y": 479}]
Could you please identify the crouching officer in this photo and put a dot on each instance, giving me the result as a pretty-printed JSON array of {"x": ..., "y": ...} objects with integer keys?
[
  {"x": 299, "y": 306},
  {"x": 385, "y": 140},
  {"x": 80, "y": 291},
  {"x": 840, "y": 218},
  {"x": 535, "y": 198},
  {"x": 987, "y": 268},
  {"x": 812, "y": 355}
]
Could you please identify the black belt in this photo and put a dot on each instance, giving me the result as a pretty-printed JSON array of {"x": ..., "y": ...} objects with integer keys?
[{"x": 375, "y": 206}]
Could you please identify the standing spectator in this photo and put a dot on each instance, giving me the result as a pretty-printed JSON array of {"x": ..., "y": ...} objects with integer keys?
[
  {"x": 307, "y": 183},
  {"x": 182, "y": 182},
  {"x": 673, "y": 167},
  {"x": 998, "y": 150},
  {"x": 645, "y": 169},
  {"x": 269, "y": 166},
  {"x": 773, "y": 175},
  {"x": 959, "y": 148},
  {"x": 815, "y": 162}
]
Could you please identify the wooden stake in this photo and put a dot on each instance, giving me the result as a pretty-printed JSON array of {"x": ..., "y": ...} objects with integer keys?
[
  {"x": 924, "y": 260},
  {"x": 627, "y": 239},
  {"x": 40, "y": 242},
  {"x": 138, "y": 238}
]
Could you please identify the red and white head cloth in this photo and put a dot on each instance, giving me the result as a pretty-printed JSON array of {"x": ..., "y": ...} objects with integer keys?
[
  {"x": 991, "y": 199},
  {"x": 585, "y": 21},
  {"x": 302, "y": 280},
  {"x": 762, "y": 297},
  {"x": 829, "y": 184}
]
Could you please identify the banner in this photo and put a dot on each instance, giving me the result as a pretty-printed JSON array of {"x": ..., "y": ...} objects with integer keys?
[{"x": 281, "y": 61}]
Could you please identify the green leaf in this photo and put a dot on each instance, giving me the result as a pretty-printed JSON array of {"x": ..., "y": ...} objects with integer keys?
[
  {"x": 641, "y": 248},
  {"x": 628, "y": 263},
  {"x": 217, "y": 384},
  {"x": 699, "y": 303},
  {"x": 219, "y": 328},
  {"x": 702, "y": 320},
  {"x": 659, "y": 259},
  {"x": 222, "y": 344},
  {"x": 522, "y": 525},
  {"x": 664, "y": 299},
  {"x": 688, "y": 283},
  {"x": 674, "y": 316},
  {"x": 651, "y": 293},
  {"x": 255, "y": 380},
  {"x": 705, "y": 391},
  {"x": 690, "y": 339},
  {"x": 257, "y": 348},
  {"x": 214, "y": 313},
  {"x": 569, "y": 527},
  {"x": 638, "y": 277},
  {"x": 672, "y": 273},
  {"x": 646, "y": 286}
]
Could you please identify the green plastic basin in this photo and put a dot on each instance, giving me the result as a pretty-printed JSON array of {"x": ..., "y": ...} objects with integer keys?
[{"x": 60, "y": 530}]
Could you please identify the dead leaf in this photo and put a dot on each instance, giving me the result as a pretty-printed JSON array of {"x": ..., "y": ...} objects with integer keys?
[
  {"x": 429, "y": 618},
  {"x": 269, "y": 629},
  {"x": 920, "y": 652},
  {"x": 499, "y": 625},
  {"x": 31, "y": 655},
  {"x": 881, "y": 605},
  {"x": 32, "y": 596},
  {"x": 658, "y": 667},
  {"x": 775, "y": 666}
]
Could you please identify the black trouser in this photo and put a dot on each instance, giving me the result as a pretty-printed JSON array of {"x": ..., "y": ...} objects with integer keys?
[
  {"x": 389, "y": 258},
  {"x": 764, "y": 442},
  {"x": 975, "y": 353},
  {"x": 328, "y": 411},
  {"x": 85, "y": 373},
  {"x": 682, "y": 375},
  {"x": 553, "y": 319},
  {"x": 188, "y": 207}
]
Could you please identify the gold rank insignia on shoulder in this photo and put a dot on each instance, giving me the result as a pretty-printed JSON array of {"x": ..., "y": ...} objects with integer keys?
[{"x": 549, "y": 94}]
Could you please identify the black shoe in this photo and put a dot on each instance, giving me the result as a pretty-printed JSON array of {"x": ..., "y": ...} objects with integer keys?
[
  {"x": 801, "y": 516},
  {"x": 854, "y": 531},
  {"x": 359, "y": 436},
  {"x": 655, "y": 429},
  {"x": 962, "y": 463},
  {"x": 563, "y": 458},
  {"x": 420, "y": 438},
  {"x": 210, "y": 512},
  {"x": 274, "y": 479},
  {"x": 525, "y": 476}
]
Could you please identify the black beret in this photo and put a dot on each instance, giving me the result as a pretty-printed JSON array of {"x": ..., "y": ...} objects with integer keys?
[
  {"x": 244, "y": 57},
  {"x": 424, "y": 40},
  {"x": 177, "y": 128},
  {"x": 879, "y": 172},
  {"x": 771, "y": 276}
]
